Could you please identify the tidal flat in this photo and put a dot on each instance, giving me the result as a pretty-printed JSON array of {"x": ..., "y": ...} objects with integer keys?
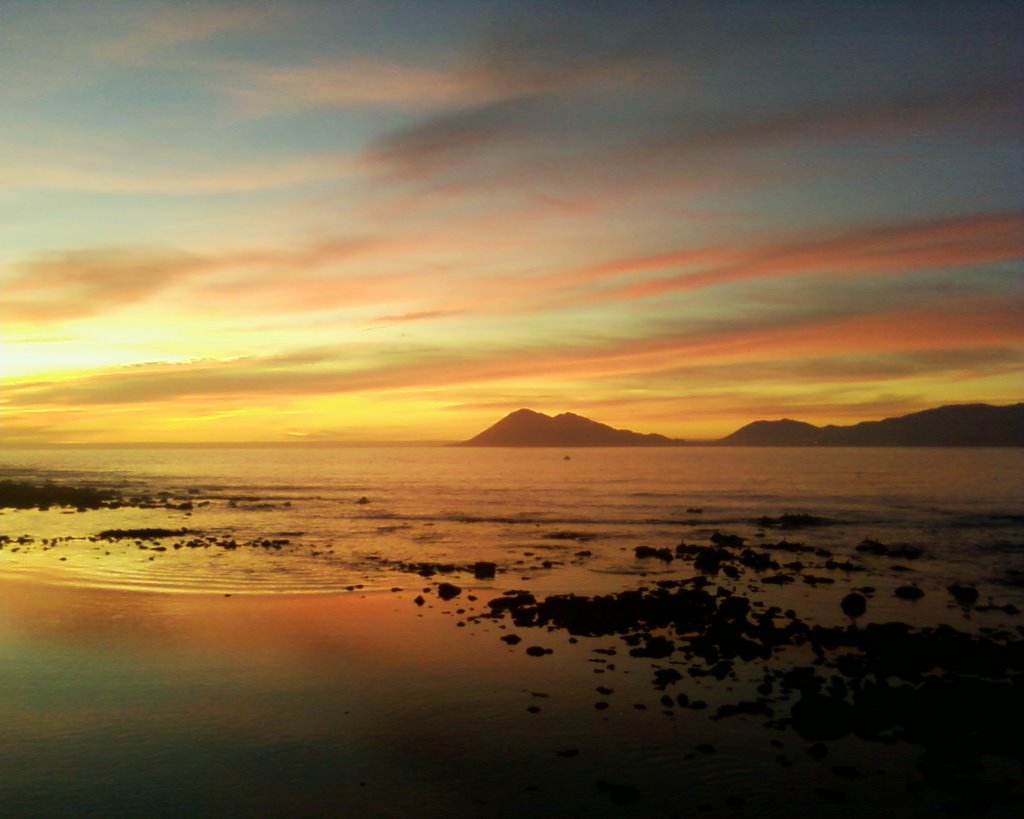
[{"x": 200, "y": 648}]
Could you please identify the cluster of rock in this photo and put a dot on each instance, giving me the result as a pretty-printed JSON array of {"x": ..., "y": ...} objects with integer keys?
[
  {"x": 24, "y": 495},
  {"x": 956, "y": 694}
]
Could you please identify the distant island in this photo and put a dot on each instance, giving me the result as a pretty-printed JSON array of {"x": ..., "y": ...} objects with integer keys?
[
  {"x": 525, "y": 427},
  {"x": 956, "y": 425}
]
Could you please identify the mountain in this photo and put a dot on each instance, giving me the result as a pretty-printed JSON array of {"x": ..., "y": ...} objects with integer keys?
[
  {"x": 958, "y": 425},
  {"x": 525, "y": 427},
  {"x": 785, "y": 432}
]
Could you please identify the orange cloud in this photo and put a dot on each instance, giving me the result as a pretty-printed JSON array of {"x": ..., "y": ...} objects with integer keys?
[
  {"x": 963, "y": 324},
  {"x": 81, "y": 283},
  {"x": 978, "y": 239}
]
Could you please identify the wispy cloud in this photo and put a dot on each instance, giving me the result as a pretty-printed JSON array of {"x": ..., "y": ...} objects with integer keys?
[
  {"x": 26, "y": 167},
  {"x": 367, "y": 80},
  {"x": 71, "y": 45},
  {"x": 888, "y": 250},
  {"x": 82, "y": 283},
  {"x": 418, "y": 315},
  {"x": 916, "y": 330},
  {"x": 89, "y": 282},
  {"x": 449, "y": 140},
  {"x": 881, "y": 112}
]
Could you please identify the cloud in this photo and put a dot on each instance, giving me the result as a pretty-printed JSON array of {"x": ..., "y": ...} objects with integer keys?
[
  {"x": 883, "y": 112},
  {"x": 26, "y": 167},
  {"x": 970, "y": 324},
  {"x": 888, "y": 249},
  {"x": 81, "y": 283},
  {"x": 261, "y": 90},
  {"x": 47, "y": 47},
  {"x": 78, "y": 283},
  {"x": 449, "y": 140},
  {"x": 418, "y": 315},
  {"x": 159, "y": 28}
]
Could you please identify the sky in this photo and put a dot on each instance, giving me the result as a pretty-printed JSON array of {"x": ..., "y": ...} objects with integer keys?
[{"x": 377, "y": 221}]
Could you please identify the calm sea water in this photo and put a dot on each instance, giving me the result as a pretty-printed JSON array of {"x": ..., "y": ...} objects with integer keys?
[
  {"x": 515, "y": 507},
  {"x": 253, "y": 682}
]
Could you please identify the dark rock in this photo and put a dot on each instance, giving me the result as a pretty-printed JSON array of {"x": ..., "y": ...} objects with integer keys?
[
  {"x": 579, "y": 537},
  {"x": 873, "y": 547},
  {"x": 647, "y": 551},
  {"x": 909, "y": 593},
  {"x": 538, "y": 651},
  {"x": 817, "y": 717},
  {"x": 656, "y": 647},
  {"x": 19, "y": 495},
  {"x": 727, "y": 541},
  {"x": 666, "y": 676},
  {"x": 854, "y": 605},
  {"x": 512, "y": 639},
  {"x": 964, "y": 595},
  {"x": 418, "y": 600},
  {"x": 817, "y": 751},
  {"x": 484, "y": 570},
  {"x": 363, "y": 500},
  {"x": 446, "y": 591},
  {"x": 141, "y": 534}
]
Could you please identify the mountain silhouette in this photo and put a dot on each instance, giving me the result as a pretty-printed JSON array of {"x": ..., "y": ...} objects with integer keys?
[
  {"x": 956, "y": 425},
  {"x": 525, "y": 427}
]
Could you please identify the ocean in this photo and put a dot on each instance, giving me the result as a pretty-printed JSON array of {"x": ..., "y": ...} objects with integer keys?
[
  {"x": 283, "y": 646},
  {"x": 438, "y": 504}
]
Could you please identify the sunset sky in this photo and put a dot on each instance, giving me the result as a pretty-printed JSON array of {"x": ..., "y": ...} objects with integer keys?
[{"x": 348, "y": 221}]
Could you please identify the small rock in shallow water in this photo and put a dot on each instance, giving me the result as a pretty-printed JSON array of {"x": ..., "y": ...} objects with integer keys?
[
  {"x": 909, "y": 593},
  {"x": 446, "y": 591},
  {"x": 964, "y": 595},
  {"x": 854, "y": 605}
]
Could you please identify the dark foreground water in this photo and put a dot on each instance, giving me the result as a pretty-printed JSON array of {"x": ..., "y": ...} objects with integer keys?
[{"x": 267, "y": 666}]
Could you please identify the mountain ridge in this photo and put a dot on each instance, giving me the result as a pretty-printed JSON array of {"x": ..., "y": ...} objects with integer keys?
[
  {"x": 972, "y": 425},
  {"x": 526, "y": 427},
  {"x": 948, "y": 425}
]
